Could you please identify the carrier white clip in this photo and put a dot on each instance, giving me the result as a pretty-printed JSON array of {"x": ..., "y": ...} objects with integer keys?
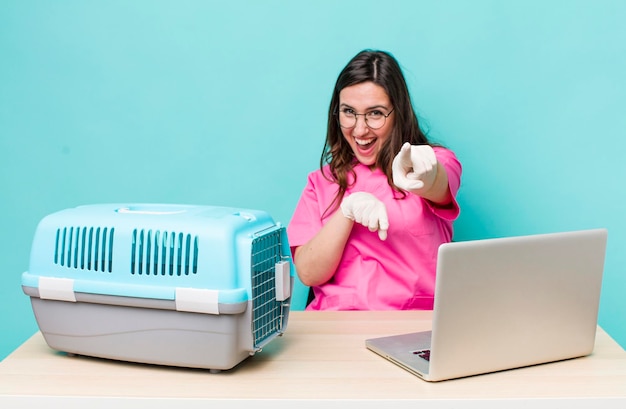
[
  {"x": 53, "y": 288},
  {"x": 197, "y": 300}
]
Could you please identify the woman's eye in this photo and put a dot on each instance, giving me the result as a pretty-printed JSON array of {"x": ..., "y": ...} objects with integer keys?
[
  {"x": 375, "y": 114},
  {"x": 348, "y": 111}
]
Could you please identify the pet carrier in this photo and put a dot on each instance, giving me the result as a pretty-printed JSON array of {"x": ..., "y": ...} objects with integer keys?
[{"x": 178, "y": 285}]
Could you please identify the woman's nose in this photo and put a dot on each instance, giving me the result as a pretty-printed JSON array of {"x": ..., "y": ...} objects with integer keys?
[{"x": 360, "y": 127}]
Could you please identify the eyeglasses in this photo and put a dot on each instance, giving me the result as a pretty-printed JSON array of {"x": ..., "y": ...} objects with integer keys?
[{"x": 373, "y": 119}]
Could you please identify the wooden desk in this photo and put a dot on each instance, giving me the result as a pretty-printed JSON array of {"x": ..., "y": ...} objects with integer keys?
[{"x": 321, "y": 356}]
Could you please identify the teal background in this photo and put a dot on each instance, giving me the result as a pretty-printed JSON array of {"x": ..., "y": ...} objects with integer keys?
[{"x": 224, "y": 103}]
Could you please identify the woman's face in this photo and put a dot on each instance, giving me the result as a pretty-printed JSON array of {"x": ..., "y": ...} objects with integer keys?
[{"x": 366, "y": 98}]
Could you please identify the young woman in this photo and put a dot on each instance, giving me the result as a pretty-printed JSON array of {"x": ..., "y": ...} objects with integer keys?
[{"x": 366, "y": 230}]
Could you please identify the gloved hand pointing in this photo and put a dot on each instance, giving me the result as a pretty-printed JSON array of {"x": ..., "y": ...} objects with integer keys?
[
  {"x": 415, "y": 168},
  {"x": 364, "y": 208}
]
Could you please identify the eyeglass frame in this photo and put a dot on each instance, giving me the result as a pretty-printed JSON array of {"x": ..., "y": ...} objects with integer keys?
[{"x": 356, "y": 119}]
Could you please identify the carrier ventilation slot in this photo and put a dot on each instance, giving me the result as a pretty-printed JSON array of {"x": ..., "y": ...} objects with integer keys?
[
  {"x": 85, "y": 248},
  {"x": 267, "y": 313},
  {"x": 162, "y": 253}
]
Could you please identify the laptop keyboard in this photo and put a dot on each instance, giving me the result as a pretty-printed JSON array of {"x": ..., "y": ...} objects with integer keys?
[{"x": 423, "y": 353}]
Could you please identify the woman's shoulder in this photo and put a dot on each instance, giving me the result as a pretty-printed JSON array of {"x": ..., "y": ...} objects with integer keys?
[
  {"x": 444, "y": 154},
  {"x": 443, "y": 150},
  {"x": 323, "y": 172},
  {"x": 320, "y": 175}
]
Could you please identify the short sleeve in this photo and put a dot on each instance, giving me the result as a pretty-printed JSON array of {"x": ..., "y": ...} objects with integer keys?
[
  {"x": 453, "y": 168},
  {"x": 306, "y": 220}
]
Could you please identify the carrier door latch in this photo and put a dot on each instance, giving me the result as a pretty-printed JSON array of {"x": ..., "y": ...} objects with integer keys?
[{"x": 283, "y": 281}]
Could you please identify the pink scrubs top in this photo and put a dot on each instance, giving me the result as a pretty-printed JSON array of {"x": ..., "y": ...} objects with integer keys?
[{"x": 398, "y": 273}]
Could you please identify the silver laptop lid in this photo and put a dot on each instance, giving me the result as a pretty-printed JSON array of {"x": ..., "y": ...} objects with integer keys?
[{"x": 516, "y": 301}]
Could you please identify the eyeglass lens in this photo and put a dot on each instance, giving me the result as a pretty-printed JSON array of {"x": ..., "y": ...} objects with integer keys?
[{"x": 374, "y": 119}]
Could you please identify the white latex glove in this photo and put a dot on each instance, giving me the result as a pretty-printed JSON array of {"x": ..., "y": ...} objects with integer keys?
[
  {"x": 364, "y": 208},
  {"x": 415, "y": 168}
]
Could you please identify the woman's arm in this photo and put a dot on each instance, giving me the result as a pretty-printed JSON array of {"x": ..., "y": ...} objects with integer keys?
[
  {"x": 439, "y": 192},
  {"x": 317, "y": 260}
]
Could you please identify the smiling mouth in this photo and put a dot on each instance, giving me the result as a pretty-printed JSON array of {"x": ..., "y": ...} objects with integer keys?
[{"x": 364, "y": 143}]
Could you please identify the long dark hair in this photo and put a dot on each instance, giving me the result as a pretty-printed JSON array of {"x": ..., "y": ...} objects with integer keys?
[{"x": 381, "y": 68}]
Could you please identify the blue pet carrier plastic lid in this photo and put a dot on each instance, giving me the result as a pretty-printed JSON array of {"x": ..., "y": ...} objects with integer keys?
[{"x": 200, "y": 256}]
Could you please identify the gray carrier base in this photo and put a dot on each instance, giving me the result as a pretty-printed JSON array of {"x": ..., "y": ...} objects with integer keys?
[{"x": 148, "y": 330}]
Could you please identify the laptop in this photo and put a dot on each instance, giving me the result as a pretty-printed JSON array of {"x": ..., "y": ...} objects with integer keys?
[{"x": 506, "y": 303}]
